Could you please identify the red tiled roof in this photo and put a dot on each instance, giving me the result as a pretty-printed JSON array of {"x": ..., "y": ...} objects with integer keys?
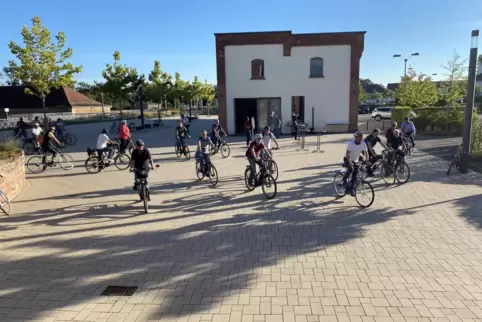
[{"x": 78, "y": 99}]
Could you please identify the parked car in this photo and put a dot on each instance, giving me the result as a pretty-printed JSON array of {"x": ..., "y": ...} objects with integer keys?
[
  {"x": 380, "y": 113},
  {"x": 363, "y": 109}
]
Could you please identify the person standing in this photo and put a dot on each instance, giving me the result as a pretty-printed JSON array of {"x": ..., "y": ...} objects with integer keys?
[
  {"x": 124, "y": 135},
  {"x": 247, "y": 130}
]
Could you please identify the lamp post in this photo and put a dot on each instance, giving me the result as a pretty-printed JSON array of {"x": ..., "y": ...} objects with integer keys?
[
  {"x": 139, "y": 90},
  {"x": 469, "y": 104},
  {"x": 405, "y": 73}
]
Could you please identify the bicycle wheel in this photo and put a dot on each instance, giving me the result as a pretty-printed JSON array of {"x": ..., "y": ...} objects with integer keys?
[
  {"x": 187, "y": 152},
  {"x": 273, "y": 169},
  {"x": 177, "y": 150},
  {"x": 131, "y": 148},
  {"x": 66, "y": 162},
  {"x": 92, "y": 164},
  {"x": 213, "y": 175},
  {"x": 452, "y": 165},
  {"x": 247, "y": 174},
  {"x": 29, "y": 148},
  {"x": 5, "y": 204},
  {"x": 364, "y": 189},
  {"x": 225, "y": 150},
  {"x": 269, "y": 183},
  {"x": 199, "y": 172},
  {"x": 402, "y": 172},
  {"x": 144, "y": 198},
  {"x": 122, "y": 161},
  {"x": 36, "y": 164},
  {"x": 387, "y": 173},
  {"x": 70, "y": 139},
  {"x": 339, "y": 184}
]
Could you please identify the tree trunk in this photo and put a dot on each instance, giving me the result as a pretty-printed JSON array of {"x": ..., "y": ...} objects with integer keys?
[
  {"x": 44, "y": 108},
  {"x": 159, "y": 112},
  {"x": 120, "y": 107}
]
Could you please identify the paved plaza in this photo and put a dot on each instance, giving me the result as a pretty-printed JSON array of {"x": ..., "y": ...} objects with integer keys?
[{"x": 224, "y": 254}]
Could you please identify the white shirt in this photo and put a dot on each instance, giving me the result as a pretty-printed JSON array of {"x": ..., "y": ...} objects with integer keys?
[
  {"x": 185, "y": 120},
  {"x": 267, "y": 140},
  {"x": 356, "y": 149},
  {"x": 102, "y": 140},
  {"x": 37, "y": 131}
]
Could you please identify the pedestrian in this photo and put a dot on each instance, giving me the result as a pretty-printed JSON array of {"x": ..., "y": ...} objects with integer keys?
[
  {"x": 247, "y": 130},
  {"x": 294, "y": 126}
]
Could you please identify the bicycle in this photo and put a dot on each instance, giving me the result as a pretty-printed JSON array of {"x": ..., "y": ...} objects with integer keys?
[
  {"x": 209, "y": 171},
  {"x": 272, "y": 165},
  {"x": 130, "y": 145},
  {"x": 400, "y": 168},
  {"x": 386, "y": 170},
  {"x": 67, "y": 138},
  {"x": 94, "y": 165},
  {"x": 184, "y": 150},
  {"x": 144, "y": 193},
  {"x": 40, "y": 161},
  {"x": 456, "y": 160},
  {"x": 31, "y": 147},
  {"x": 408, "y": 147},
  {"x": 222, "y": 147},
  {"x": 261, "y": 178},
  {"x": 361, "y": 186},
  {"x": 4, "y": 202}
]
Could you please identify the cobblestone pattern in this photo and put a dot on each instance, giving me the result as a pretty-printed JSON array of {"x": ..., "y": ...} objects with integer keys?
[{"x": 222, "y": 254}]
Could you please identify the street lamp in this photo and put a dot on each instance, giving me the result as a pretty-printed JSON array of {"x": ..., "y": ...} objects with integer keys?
[
  {"x": 405, "y": 72},
  {"x": 469, "y": 103}
]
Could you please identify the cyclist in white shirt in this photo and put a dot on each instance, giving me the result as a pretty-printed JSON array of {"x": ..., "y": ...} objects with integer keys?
[
  {"x": 37, "y": 132},
  {"x": 267, "y": 137},
  {"x": 103, "y": 143},
  {"x": 354, "y": 151}
]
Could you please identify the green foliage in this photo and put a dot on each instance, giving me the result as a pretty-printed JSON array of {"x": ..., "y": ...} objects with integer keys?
[
  {"x": 417, "y": 90},
  {"x": 454, "y": 89},
  {"x": 159, "y": 84},
  {"x": 363, "y": 95},
  {"x": 400, "y": 112},
  {"x": 476, "y": 137},
  {"x": 9, "y": 150},
  {"x": 41, "y": 64}
]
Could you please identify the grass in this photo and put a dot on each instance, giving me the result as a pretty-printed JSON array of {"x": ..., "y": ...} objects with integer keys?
[{"x": 9, "y": 151}]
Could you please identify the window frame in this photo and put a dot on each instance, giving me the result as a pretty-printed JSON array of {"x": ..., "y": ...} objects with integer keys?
[
  {"x": 317, "y": 75},
  {"x": 260, "y": 63}
]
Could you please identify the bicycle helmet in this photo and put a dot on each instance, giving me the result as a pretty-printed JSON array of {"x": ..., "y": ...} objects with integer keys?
[
  {"x": 358, "y": 134},
  {"x": 393, "y": 123},
  {"x": 140, "y": 143},
  {"x": 123, "y": 122},
  {"x": 258, "y": 137}
]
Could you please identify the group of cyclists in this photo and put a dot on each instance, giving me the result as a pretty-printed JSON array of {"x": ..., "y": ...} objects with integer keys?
[{"x": 359, "y": 150}]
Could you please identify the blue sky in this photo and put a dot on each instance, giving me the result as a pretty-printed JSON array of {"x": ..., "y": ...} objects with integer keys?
[{"x": 180, "y": 33}]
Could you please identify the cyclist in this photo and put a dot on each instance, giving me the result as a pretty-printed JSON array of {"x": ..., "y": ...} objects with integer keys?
[
  {"x": 187, "y": 122},
  {"x": 37, "y": 132},
  {"x": 371, "y": 142},
  {"x": 389, "y": 132},
  {"x": 48, "y": 145},
  {"x": 60, "y": 125},
  {"x": 141, "y": 160},
  {"x": 267, "y": 137},
  {"x": 181, "y": 134},
  {"x": 396, "y": 144},
  {"x": 202, "y": 153},
  {"x": 21, "y": 128},
  {"x": 103, "y": 145},
  {"x": 216, "y": 133},
  {"x": 408, "y": 129},
  {"x": 354, "y": 150},
  {"x": 124, "y": 135},
  {"x": 253, "y": 153}
]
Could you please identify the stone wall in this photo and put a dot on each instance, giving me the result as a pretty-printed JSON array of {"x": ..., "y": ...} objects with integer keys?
[{"x": 13, "y": 172}]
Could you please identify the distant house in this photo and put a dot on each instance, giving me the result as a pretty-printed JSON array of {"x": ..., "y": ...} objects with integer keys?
[
  {"x": 374, "y": 88},
  {"x": 62, "y": 100}
]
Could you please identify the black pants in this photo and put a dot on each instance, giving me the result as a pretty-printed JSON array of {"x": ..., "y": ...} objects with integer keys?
[
  {"x": 409, "y": 135},
  {"x": 48, "y": 148},
  {"x": 373, "y": 158},
  {"x": 294, "y": 133},
  {"x": 123, "y": 145},
  {"x": 248, "y": 136},
  {"x": 398, "y": 154},
  {"x": 187, "y": 128},
  {"x": 350, "y": 171}
]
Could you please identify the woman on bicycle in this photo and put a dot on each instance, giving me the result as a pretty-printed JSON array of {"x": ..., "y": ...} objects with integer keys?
[{"x": 253, "y": 153}]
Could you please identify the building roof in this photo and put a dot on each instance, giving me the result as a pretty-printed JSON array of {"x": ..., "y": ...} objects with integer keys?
[
  {"x": 288, "y": 32},
  {"x": 374, "y": 88},
  {"x": 14, "y": 97}
]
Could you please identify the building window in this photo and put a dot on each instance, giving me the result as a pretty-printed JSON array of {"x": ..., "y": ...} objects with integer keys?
[
  {"x": 316, "y": 67},
  {"x": 257, "y": 69}
]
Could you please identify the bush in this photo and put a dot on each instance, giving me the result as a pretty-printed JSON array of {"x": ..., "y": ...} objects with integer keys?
[
  {"x": 400, "y": 112},
  {"x": 9, "y": 150},
  {"x": 476, "y": 137}
]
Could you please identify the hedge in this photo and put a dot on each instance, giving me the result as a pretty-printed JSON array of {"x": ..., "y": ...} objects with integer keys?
[
  {"x": 399, "y": 113},
  {"x": 9, "y": 150}
]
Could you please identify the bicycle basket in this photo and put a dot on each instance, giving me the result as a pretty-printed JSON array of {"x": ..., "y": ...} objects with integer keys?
[{"x": 91, "y": 151}]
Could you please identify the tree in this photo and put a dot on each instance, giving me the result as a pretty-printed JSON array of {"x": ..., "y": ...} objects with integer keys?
[
  {"x": 363, "y": 95},
  {"x": 120, "y": 80},
  {"x": 159, "y": 85},
  {"x": 366, "y": 81},
  {"x": 42, "y": 64},
  {"x": 417, "y": 90},
  {"x": 454, "y": 88}
]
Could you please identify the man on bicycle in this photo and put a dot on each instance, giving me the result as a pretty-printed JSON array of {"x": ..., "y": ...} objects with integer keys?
[
  {"x": 181, "y": 134},
  {"x": 141, "y": 160},
  {"x": 21, "y": 128},
  {"x": 48, "y": 143},
  {"x": 396, "y": 144},
  {"x": 104, "y": 145},
  {"x": 124, "y": 135},
  {"x": 253, "y": 155},
  {"x": 216, "y": 134},
  {"x": 408, "y": 129},
  {"x": 355, "y": 149},
  {"x": 37, "y": 132},
  {"x": 371, "y": 141},
  {"x": 389, "y": 132},
  {"x": 202, "y": 152}
]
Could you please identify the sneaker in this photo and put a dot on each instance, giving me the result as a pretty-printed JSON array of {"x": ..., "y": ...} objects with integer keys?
[
  {"x": 352, "y": 192},
  {"x": 370, "y": 174},
  {"x": 135, "y": 187}
]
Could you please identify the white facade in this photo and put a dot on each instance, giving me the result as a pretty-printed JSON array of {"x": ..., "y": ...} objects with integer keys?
[{"x": 287, "y": 76}]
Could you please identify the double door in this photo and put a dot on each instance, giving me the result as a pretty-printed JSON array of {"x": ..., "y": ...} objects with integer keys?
[{"x": 269, "y": 113}]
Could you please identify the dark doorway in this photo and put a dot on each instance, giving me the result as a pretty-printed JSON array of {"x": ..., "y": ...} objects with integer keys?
[
  {"x": 244, "y": 108},
  {"x": 298, "y": 106}
]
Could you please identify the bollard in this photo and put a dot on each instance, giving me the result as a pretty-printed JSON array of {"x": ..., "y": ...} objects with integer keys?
[
  {"x": 318, "y": 144},
  {"x": 302, "y": 142}
]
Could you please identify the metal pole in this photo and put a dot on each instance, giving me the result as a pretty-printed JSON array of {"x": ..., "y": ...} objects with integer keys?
[
  {"x": 142, "y": 107},
  {"x": 469, "y": 104},
  {"x": 102, "y": 101},
  {"x": 405, "y": 83}
]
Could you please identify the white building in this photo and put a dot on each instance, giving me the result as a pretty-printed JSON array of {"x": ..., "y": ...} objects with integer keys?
[{"x": 270, "y": 75}]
